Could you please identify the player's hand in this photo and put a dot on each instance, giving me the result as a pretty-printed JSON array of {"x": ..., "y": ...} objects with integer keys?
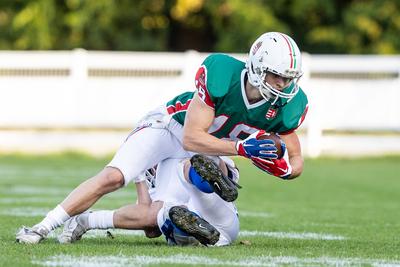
[
  {"x": 252, "y": 147},
  {"x": 277, "y": 167}
]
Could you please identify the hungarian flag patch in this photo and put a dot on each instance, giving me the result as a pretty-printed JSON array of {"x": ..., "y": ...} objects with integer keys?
[{"x": 271, "y": 113}]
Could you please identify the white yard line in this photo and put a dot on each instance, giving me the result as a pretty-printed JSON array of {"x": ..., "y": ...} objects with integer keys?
[
  {"x": 142, "y": 260},
  {"x": 291, "y": 235},
  {"x": 279, "y": 235}
]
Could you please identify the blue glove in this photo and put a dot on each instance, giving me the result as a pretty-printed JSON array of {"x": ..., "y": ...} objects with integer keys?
[{"x": 252, "y": 147}]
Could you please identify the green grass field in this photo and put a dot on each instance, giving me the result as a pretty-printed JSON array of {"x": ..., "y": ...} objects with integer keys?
[{"x": 341, "y": 212}]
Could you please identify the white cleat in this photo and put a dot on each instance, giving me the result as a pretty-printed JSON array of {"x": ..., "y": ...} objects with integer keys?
[
  {"x": 74, "y": 229},
  {"x": 32, "y": 235}
]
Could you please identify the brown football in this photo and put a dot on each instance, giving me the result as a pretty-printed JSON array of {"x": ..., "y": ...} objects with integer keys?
[{"x": 277, "y": 140}]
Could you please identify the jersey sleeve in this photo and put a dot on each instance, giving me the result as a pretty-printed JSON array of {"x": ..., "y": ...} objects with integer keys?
[
  {"x": 295, "y": 114},
  {"x": 202, "y": 88},
  {"x": 213, "y": 78},
  {"x": 296, "y": 125}
]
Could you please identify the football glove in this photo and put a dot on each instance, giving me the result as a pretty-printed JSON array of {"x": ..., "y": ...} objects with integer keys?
[
  {"x": 252, "y": 147},
  {"x": 277, "y": 167}
]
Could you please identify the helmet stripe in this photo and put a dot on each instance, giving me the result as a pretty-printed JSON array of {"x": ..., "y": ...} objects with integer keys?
[
  {"x": 291, "y": 51},
  {"x": 294, "y": 52}
]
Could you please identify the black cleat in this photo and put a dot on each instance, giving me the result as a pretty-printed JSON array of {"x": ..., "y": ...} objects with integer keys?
[
  {"x": 210, "y": 172},
  {"x": 194, "y": 225}
]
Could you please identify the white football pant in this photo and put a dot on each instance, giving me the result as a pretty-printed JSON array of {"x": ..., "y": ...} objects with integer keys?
[
  {"x": 156, "y": 138},
  {"x": 173, "y": 189}
]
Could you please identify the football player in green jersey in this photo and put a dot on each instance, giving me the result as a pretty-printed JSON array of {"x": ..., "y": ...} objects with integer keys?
[
  {"x": 233, "y": 104},
  {"x": 235, "y": 100}
]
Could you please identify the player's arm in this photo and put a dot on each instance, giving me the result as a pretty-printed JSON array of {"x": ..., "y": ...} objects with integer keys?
[
  {"x": 199, "y": 119},
  {"x": 294, "y": 150},
  {"x": 290, "y": 165},
  {"x": 196, "y": 138}
]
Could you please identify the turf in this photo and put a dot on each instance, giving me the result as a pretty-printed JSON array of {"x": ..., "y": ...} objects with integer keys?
[{"x": 355, "y": 199}]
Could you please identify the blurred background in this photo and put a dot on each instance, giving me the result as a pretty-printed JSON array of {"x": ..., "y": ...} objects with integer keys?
[{"x": 77, "y": 75}]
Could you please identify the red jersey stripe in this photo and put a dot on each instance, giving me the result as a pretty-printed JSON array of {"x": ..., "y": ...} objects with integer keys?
[{"x": 178, "y": 107}]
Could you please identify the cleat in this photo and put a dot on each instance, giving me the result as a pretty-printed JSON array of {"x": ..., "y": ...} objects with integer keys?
[
  {"x": 74, "y": 229},
  {"x": 209, "y": 171},
  {"x": 32, "y": 235},
  {"x": 190, "y": 223}
]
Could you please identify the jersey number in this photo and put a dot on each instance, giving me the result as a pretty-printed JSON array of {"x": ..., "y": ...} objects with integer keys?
[{"x": 238, "y": 131}]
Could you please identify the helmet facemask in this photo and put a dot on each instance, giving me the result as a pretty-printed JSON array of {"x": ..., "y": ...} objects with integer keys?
[{"x": 272, "y": 95}]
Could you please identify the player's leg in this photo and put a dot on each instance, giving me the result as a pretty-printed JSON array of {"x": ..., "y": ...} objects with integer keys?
[
  {"x": 84, "y": 196},
  {"x": 127, "y": 217},
  {"x": 221, "y": 214},
  {"x": 181, "y": 226},
  {"x": 184, "y": 227},
  {"x": 138, "y": 217},
  {"x": 208, "y": 177},
  {"x": 142, "y": 150},
  {"x": 130, "y": 217},
  {"x": 141, "y": 216}
]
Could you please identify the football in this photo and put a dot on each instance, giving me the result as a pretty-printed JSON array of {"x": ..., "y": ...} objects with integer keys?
[{"x": 277, "y": 140}]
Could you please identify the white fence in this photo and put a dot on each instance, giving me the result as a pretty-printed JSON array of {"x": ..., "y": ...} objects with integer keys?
[
  {"x": 103, "y": 90},
  {"x": 353, "y": 93}
]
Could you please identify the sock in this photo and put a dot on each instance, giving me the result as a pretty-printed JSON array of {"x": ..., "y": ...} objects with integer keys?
[
  {"x": 102, "y": 219},
  {"x": 55, "y": 218}
]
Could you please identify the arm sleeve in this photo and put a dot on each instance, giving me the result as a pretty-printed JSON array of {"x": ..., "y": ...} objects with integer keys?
[
  {"x": 213, "y": 78},
  {"x": 201, "y": 86},
  {"x": 299, "y": 122}
]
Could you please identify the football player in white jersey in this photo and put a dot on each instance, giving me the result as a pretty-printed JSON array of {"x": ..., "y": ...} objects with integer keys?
[
  {"x": 185, "y": 214},
  {"x": 214, "y": 120}
]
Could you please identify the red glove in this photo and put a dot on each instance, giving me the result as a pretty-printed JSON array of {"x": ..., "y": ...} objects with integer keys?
[{"x": 277, "y": 167}]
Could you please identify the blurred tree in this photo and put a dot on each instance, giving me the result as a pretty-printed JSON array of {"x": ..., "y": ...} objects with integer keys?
[
  {"x": 27, "y": 24},
  {"x": 190, "y": 26},
  {"x": 373, "y": 27},
  {"x": 7, "y": 12},
  {"x": 114, "y": 25},
  {"x": 312, "y": 23},
  {"x": 319, "y": 26},
  {"x": 358, "y": 27},
  {"x": 238, "y": 23}
]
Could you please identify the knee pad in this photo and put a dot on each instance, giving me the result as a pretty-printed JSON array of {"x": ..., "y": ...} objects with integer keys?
[{"x": 199, "y": 182}]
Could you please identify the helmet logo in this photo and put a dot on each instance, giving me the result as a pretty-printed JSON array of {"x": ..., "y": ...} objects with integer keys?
[{"x": 256, "y": 47}]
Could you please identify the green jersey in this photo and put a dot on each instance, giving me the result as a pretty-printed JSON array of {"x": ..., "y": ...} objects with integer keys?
[{"x": 220, "y": 83}]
